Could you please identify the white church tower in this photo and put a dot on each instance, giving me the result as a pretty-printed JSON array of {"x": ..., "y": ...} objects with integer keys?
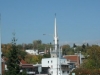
[
  {"x": 56, "y": 50},
  {"x": 57, "y": 64}
]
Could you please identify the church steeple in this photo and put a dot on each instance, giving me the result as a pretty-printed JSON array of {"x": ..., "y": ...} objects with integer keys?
[
  {"x": 55, "y": 52},
  {"x": 55, "y": 28},
  {"x": 56, "y": 45}
]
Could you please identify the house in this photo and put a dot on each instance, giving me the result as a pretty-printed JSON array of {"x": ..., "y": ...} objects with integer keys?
[
  {"x": 33, "y": 52},
  {"x": 29, "y": 68},
  {"x": 73, "y": 59},
  {"x": 24, "y": 66}
]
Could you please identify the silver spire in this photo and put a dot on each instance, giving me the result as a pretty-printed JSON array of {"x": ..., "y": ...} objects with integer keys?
[{"x": 55, "y": 36}]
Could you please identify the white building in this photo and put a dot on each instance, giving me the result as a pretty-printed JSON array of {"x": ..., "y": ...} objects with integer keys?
[
  {"x": 58, "y": 65},
  {"x": 33, "y": 52}
]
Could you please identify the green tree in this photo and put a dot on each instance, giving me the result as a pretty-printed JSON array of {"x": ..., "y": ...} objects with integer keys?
[
  {"x": 13, "y": 62},
  {"x": 93, "y": 61},
  {"x": 64, "y": 49},
  {"x": 67, "y": 50},
  {"x": 74, "y": 45},
  {"x": 39, "y": 58},
  {"x": 46, "y": 55},
  {"x": 22, "y": 54},
  {"x": 36, "y": 43}
]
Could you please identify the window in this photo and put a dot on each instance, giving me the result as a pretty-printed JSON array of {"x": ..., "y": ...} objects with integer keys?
[
  {"x": 63, "y": 71},
  {"x": 67, "y": 71},
  {"x": 51, "y": 66},
  {"x": 51, "y": 72},
  {"x": 51, "y": 61}
]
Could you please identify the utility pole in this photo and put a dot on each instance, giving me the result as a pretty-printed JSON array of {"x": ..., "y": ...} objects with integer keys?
[
  {"x": 0, "y": 48},
  {"x": 57, "y": 64}
]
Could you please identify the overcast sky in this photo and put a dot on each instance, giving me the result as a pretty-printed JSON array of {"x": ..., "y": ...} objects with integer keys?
[{"x": 78, "y": 21}]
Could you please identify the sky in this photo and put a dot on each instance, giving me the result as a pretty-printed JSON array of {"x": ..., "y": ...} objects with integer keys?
[{"x": 78, "y": 21}]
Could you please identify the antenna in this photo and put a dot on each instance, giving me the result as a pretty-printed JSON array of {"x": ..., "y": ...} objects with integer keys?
[{"x": 14, "y": 39}]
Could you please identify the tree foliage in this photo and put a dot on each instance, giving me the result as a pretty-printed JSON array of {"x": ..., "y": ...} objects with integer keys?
[
  {"x": 93, "y": 61},
  {"x": 84, "y": 71},
  {"x": 13, "y": 60},
  {"x": 46, "y": 55},
  {"x": 7, "y": 47},
  {"x": 91, "y": 65},
  {"x": 67, "y": 50},
  {"x": 33, "y": 59},
  {"x": 37, "y": 43}
]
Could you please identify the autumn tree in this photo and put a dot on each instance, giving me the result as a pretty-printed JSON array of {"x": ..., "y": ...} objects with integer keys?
[
  {"x": 33, "y": 59},
  {"x": 6, "y": 48}
]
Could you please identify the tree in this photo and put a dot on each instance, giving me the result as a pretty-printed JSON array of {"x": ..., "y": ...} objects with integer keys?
[
  {"x": 83, "y": 46},
  {"x": 91, "y": 64},
  {"x": 33, "y": 59},
  {"x": 87, "y": 45},
  {"x": 93, "y": 61},
  {"x": 6, "y": 48},
  {"x": 46, "y": 55},
  {"x": 28, "y": 46},
  {"x": 13, "y": 60},
  {"x": 36, "y": 43},
  {"x": 74, "y": 45},
  {"x": 22, "y": 54},
  {"x": 65, "y": 49}
]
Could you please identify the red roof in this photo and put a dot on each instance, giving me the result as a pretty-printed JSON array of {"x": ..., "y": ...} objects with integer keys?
[
  {"x": 74, "y": 58},
  {"x": 27, "y": 66},
  {"x": 23, "y": 62}
]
